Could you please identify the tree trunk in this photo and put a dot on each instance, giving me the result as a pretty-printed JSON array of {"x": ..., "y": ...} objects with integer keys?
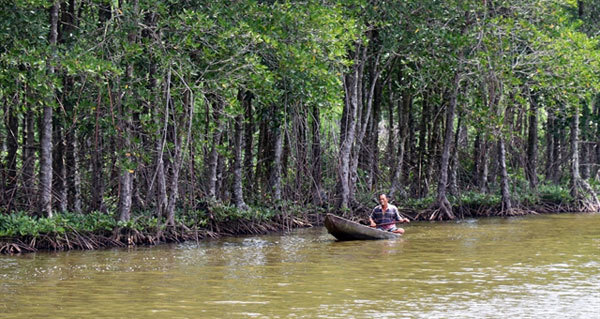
[
  {"x": 179, "y": 150},
  {"x": 248, "y": 137},
  {"x": 597, "y": 115},
  {"x": 174, "y": 182},
  {"x": 584, "y": 195},
  {"x": 481, "y": 163},
  {"x": 453, "y": 168},
  {"x": 443, "y": 208},
  {"x": 126, "y": 125},
  {"x": 575, "y": 175},
  {"x": 504, "y": 182},
  {"x": 3, "y": 149},
  {"x": 347, "y": 136},
  {"x": 298, "y": 142},
  {"x": 515, "y": 148},
  {"x": 494, "y": 92},
  {"x": 275, "y": 176},
  {"x": 28, "y": 169},
  {"x": 365, "y": 114},
  {"x": 396, "y": 185},
  {"x": 423, "y": 130},
  {"x": 286, "y": 152},
  {"x": 97, "y": 163},
  {"x": 45, "y": 184},
  {"x": 434, "y": 150},
  {"x": 410, "y": 147},
  {"x": 125, "y": 194},
  {"x": 264, "y": 155},
  {"x": 476, "y": 155},
  {"x": 559, "y": 145},
  {"x": 161, "y": 143},
  {"x": 485, "y": 167},
  {"x": 72, "y": 174},
  {"x": 550, "y": 146},
  {"x": 390, "y": 161},
  {"x": 585, "y": 147},
  {"x": 12, "y": 146},
  {"x": 317, "y": 197},
  {"x": 220, "y": 170},
  {"x": 532, "y": 145},
  {"x": 213, "y": 157},
  {"x": 125, "y": 172},
  {"x": 362, "y": 114},
  {"x": 238, "y": 190},
  {"x": 161, "y": 182},
  {"x": 374, "y": 139},
  {"x": 403, "y": 113},
  {"x": 69, "y": 193},
  {"x": 59, "y": 170},
  {"x": 554, "y": 148}
]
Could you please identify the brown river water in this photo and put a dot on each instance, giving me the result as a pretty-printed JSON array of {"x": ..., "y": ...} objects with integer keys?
[{"x": 545, "y": 266}]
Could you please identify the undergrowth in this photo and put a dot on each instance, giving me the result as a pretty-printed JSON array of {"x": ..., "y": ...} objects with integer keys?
[{"x": 22, "y": 224}]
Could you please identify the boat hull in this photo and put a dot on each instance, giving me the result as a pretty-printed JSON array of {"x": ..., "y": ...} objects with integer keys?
[{"x": 343, "y": 229}]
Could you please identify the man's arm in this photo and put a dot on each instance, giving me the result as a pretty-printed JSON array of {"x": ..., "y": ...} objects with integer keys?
[
  {"x": 400, "y": 218},
  {"x": 371, "y": 221}
]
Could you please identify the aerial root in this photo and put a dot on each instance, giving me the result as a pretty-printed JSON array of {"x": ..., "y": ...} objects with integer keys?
[
  {"x": 15, "y": 248},
  {"x": 441, "y": 210}
]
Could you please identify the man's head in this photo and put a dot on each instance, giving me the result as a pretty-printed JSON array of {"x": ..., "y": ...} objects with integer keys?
[{"x": 383, "y": 200}]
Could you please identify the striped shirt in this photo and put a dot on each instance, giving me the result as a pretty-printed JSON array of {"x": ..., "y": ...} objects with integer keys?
[{"x": 389, "y": 216}]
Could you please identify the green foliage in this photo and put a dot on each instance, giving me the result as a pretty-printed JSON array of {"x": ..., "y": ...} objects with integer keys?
[
  {"x": 143, "y": 64},
  {"x": 220, "y": 212},
  {"x": 554, "y": 194},
  {"x": 22, "y": 224},
  {"x": 17, "y": 224},
  {"x": 418, "y": 203},
  {"x": 477, "y": 199},
  {"x": 595, "y": 184}
]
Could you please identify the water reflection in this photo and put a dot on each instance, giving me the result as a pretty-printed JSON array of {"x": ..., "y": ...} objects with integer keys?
[{"x": 526, "y": 267}]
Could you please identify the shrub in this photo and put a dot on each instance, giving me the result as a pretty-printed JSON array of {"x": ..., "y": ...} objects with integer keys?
[
  {"x": 555, "y": 194},
  {"x": 22, "y": 224},
  {"x": 477, "y": 199}
]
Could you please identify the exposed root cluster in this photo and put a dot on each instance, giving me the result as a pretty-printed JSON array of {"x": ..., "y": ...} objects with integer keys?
[
  {"x": 123, "y": 237},
  {"x": 476, "y": 211},
  {"x": 15, "y": 247},
  {"x": 586, "y": 199}
]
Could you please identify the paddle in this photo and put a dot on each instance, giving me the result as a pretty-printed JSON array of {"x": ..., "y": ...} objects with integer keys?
[{"x": 392, "y": 223}]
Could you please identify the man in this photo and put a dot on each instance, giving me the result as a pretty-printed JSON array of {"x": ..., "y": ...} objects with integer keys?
[{"x": 385, "y": 216}]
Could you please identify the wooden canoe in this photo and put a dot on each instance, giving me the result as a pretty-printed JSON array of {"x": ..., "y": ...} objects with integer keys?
[{"x": 344, "y": 229}]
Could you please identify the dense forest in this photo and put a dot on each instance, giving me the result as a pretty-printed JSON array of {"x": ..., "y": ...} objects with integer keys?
[{"x": 158, "y": 110}]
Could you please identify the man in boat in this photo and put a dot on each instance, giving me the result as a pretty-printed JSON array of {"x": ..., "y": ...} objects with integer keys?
[{"x": 385, "y": 216}]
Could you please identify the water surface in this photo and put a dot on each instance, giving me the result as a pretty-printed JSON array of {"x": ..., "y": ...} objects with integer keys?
[{"x": 545, "y": 266}]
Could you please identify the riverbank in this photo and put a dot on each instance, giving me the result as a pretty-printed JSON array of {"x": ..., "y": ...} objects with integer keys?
[{"x": 22, "y": 233}]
